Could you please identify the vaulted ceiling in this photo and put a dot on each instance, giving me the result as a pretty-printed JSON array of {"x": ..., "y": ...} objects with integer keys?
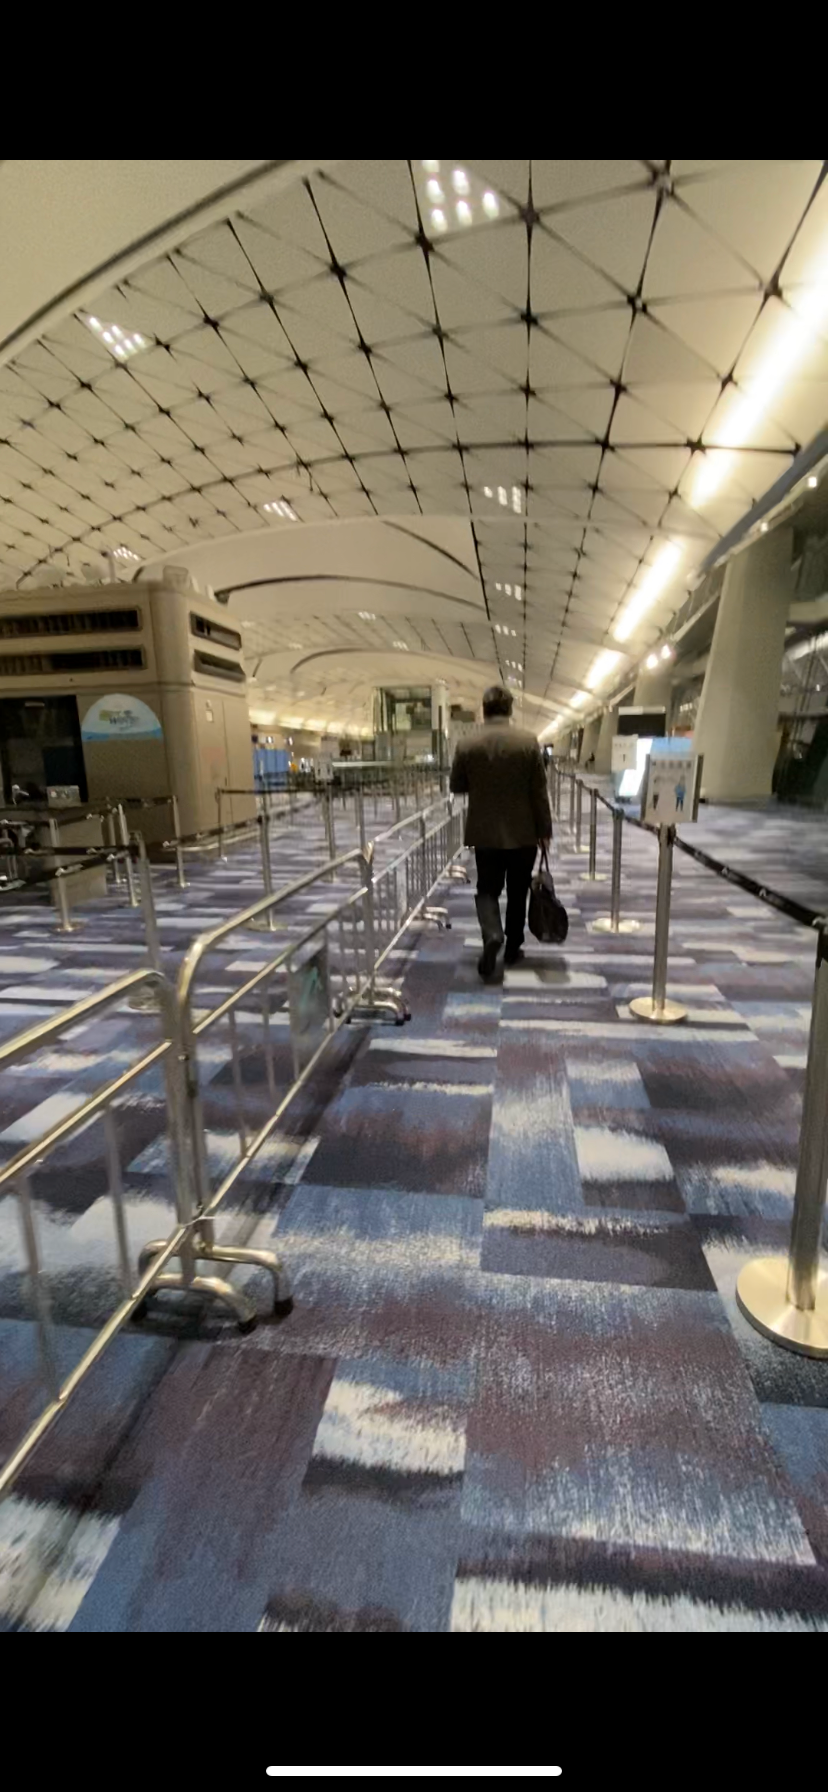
[{"x": 452, "y": 418}]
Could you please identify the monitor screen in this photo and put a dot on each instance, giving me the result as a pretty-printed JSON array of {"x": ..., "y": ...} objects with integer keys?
[{"x": 650, "y": 722}]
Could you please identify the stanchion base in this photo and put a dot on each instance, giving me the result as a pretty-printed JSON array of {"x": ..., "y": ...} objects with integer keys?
[
  {"x": 605, "y": 924},
  {"x": 762, "y": 1295},
  {"x": 599, "y": 878},
  {"x": 261, "y": 924},
  {"x": 664, "y": 1016}
]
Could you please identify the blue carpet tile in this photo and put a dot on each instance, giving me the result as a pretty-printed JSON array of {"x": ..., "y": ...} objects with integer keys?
[{"x": 515, "y": 1392}]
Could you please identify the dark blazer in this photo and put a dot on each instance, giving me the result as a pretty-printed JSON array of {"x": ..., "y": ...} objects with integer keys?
[{"x": 500, "y": 770}]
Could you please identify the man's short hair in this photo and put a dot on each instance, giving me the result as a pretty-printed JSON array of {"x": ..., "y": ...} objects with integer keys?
[{"x": 497, "y": 701}]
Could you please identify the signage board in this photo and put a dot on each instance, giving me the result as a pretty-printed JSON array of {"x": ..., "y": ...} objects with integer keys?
[
  {"x": 119, "y": 717},
  {"x": 671, "y": 786},
  {"x": 624, "y": 749},
  {"x": 308, "y": 1001}
]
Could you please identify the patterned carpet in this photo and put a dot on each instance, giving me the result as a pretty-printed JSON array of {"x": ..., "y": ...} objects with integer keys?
[{"x": 515, "y": 1392}]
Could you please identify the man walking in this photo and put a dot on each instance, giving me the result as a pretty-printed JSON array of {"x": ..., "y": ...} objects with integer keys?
[{"x": 500, "y": 770}]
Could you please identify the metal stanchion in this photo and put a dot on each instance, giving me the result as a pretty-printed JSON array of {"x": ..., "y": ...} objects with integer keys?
[
  {"x": 360, "y": 815},
  {"x": 612, "y": 923},
  {"x": 579, "y": 814},
  {"x": 592, "y": 876},
  {"x": 179, "y": 850},
  {"x": 221, "y": 852},
  {"x": 397, "y": 804},
  {"x": 130, "y": 875},
  {"x": 67, "y": 925},
  {"x": 656, "y": 1007},
  {"x": 786, "y": 1298},
  {"x": 571, "y": 804}
]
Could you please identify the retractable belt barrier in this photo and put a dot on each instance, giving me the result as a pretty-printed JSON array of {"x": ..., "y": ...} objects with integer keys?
[
  {"x": 784, "y": 1297},
  {"x": 330, "y": 972}
]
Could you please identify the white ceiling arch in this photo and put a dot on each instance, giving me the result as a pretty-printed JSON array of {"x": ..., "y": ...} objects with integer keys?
[{"x": 595, "y": 366}]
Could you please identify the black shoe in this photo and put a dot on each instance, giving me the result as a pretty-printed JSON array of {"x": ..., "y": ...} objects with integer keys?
[
  {"x": 488, "y": 958},
  {"x": 514, "y": 957}
]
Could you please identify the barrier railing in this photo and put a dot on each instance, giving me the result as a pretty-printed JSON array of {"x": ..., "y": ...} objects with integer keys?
[
  {"x": 341, "y": 984},
  {"x": 331, "y": 978},
  {"x": 784, "y": 1297},
  {"x": 16, "y": 1177}
]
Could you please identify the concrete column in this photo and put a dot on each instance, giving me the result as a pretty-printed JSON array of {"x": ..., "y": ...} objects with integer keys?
[
  {"x": 737, "y": 725},
  {"x": 606, "y": 734},
  {"x": 591, "y": 736},
  {"x": 654, "y": 690}
]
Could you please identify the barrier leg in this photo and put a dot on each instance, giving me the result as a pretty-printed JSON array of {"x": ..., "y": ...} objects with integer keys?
[
  {"x": 612, "y": 923},
  {"x": 146, "y": 999},
  {"x": 786, "y": 1298},
  {"x": 265, "y": 923},
  {"x": 192, "y": 1192},
  {"x": 66, "y": 924},
  {"x": 130, "y": 874},
  {"x": 179, "y": 850},
  {"x": 330, "y": 836},
  {"x": 656, "y": 1007},
  {"x": 379, "y": 1001},
  {"x": 111, "y": 831}
]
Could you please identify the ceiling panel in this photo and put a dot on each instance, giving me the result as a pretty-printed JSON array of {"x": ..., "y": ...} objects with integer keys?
[{"x": 546, "y": 355}]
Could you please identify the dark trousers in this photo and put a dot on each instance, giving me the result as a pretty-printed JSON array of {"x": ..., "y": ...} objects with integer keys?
[{"x": 495, "y": 867}]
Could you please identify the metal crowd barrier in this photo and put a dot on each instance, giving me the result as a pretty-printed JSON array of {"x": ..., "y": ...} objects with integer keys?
[
  {"x": 784, "y": 1296},
  {"x": 331, "y": 972},
  {"x": 17, "y": 1173}
]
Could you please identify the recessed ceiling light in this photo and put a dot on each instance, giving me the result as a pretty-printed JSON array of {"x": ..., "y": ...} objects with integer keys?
[
  {"x": 813, "y": 482},
  {"x": 122, "y": 344},
  {"x": 464, "y": 212},
  {"x": 460, "y": 181},
  {"x": 126, "y": 554},
  {"x": 519, "y": 592},
  {"x": 501, "y": 495},
  {"x": 438, "y": 219},
  {"x": 666, "y": 651},
  {"x": 517, "y": 499},
  {"x": 764, "y": 528},
  {"x": 657, "y": 576},
  {"x": 281, "y": 507},
  {"x": 487, "y": 491},
  {"x": 402, "y": 645},
  {"x": 367, "y": 615},
  {"x": 491, "y": 205},
  {"x": 651, "y": 661},
  {"x": 431, "y": 167},
  {"x": 435, "y": 192},
  {"x": 602, "y": 668},
  {"x": 577, "y": 699}
]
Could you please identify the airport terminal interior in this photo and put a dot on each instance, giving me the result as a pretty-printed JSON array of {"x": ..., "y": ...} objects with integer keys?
[{"x": 350, "y": 1282}]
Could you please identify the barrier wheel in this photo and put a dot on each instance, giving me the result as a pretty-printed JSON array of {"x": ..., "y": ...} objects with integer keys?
[
  {"x": 246, "y": 1326},
  {"x": 281, "y": 1308}
]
